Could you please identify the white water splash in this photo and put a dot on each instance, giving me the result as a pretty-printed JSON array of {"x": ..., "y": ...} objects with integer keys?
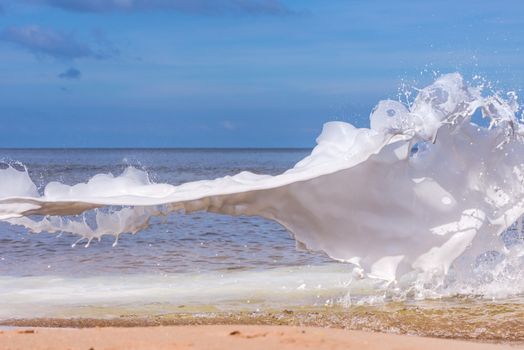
[{"x": 422, "y": 191}]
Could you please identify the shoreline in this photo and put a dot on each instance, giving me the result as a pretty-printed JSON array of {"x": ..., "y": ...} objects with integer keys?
[
  {"x": 413, "y": 322},
  {"x": 221, "y": 337}
]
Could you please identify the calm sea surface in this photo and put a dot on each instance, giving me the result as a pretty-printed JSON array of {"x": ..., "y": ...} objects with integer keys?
[{"x": 182, "y": 243}]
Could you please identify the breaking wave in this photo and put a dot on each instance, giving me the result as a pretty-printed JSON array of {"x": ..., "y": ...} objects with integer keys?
[{"x": 424, "y": 200}]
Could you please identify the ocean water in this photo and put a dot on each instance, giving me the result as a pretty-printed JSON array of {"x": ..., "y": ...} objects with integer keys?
[
  {"x": 207, "y": 264},
  {"x": 180, "y": 255},
  {"x": 193, "y": 243}
]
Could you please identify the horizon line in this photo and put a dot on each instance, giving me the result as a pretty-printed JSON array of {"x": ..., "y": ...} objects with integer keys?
[{"x": 152, "y": 148}]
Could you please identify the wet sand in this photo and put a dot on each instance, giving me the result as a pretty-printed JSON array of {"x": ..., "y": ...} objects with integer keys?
[
  {"x": 467, "y": 320},
  {"x": 221, "y": 337}
]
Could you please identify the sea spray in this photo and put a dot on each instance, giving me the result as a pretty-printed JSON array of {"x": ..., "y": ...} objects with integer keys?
[{"x": 417, "y": 199}]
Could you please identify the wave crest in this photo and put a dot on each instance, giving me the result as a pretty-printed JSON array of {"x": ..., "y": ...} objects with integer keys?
[{"x": 423, "y": 191}]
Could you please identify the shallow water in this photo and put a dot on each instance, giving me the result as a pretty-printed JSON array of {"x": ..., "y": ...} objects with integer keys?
[
  {"x": 208, "y": 264},
  {"x": 181, "y": 259}
]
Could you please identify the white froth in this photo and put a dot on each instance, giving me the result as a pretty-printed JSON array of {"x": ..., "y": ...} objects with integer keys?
[{"x": 419, "y": 189}]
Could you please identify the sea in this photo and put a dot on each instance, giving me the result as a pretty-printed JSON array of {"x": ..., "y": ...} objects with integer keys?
[{"x": 208, "y": 266}]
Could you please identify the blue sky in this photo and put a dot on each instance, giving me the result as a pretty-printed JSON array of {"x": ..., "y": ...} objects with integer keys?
[{"x": 232, "y": 73}]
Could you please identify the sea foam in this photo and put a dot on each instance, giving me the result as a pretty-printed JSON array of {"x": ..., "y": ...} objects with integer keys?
[{"x": 421, "y": 192}]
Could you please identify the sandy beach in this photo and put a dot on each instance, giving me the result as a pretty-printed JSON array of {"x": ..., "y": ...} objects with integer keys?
[{"x": 221, "y": 337}]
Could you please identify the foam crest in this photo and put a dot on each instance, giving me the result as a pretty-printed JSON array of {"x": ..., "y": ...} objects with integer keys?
[
  {"x": 131, "y": 183},
  {"x": 424, "y": 192},
  {"x": 16, "y": 183}
]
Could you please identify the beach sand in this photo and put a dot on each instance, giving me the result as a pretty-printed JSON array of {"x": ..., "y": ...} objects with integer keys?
[
  {"x": 221, "y": 337},
  {"x": 466, "y": 320}
]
